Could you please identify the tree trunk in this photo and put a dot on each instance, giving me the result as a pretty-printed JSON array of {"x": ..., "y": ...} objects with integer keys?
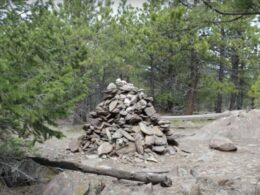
[
  {"x": 219, "y": 100},
  {"x": 120, "y": 174},
  {"x": 234, "y": 79},
  {"x": 240, "y": 95},
  {"x": 194, "y": 77},
  {"x": 252, "y": 103},
  {"x": 152, "y": 75}
]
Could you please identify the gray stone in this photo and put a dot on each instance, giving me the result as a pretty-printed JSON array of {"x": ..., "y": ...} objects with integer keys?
[
  {"x": 139, "y": 143},
  {"x": 127, "y": 135},
  {"x": 105, "y": 148},
  {"x": 150, "y": 111},
  {"x": 127, "y": 102},
  {"x": 112, "y": 105},
  {"x": 117, "y": 135},
  {"x": 149, "y": 140},
  {"x": 128, "y": 87},
  {"x": 159, "y": 149},
  {"x": 156, "y": 131},
  {"x": 96, "y": 122},
  {"x": 123, "y": 113},
  {"x": 145, "y": 129},
  {"x": 60, "y": 185},
  {"x": 120, "y": 82},
  {"x": 101, "y": 111},
  {"x": 133, "y": 118},
  {"x": 129, "y": 109},
  {"x": 111, "y": 86},
  {"x": 136, "y": 129},
  {"x": 129, "y": 148},
  {"x": 222, "y": 144},
  {"x": 160, "y": 141},
  {"x": 134, "y": 99},
  {"x": 163, "y": 122}
]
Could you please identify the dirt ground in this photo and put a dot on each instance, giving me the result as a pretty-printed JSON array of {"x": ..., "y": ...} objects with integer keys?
[{"x": 195, "y": 170}]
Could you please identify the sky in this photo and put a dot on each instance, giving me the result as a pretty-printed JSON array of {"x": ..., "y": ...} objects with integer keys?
[{"x": 135, "y": 3}]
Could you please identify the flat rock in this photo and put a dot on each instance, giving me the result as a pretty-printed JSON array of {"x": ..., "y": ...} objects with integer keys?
[
  {"x": 159, "y": 149},
  {"x": 136, "y": 128},
  {"x": 139, "y": 143},
  {"x": 123, "y": 113},
  {"x": 145, "y": 129},
  {"x": 149, "y": 140},
  {"x": 105, "y": 148},
  {"x": 160, "y": 141},
  {"x": 130, "y": 148},
  {"x": 112, "y": 105},
  {"x": 150, "y": 111},
  {"x": 117, "y": 135},
  {"x": 101, "y": 111},
  {"x": 133, "y": 118},
  {"x": 222, "y": 144},
  {"x": 95, "y": 122},
  {"x": 127, "y": 102},
  {"x": 127, "y": 135},
  {"x": 120, "y": 82},
  {"x": 111, "y": 86},
  {"x": 134, "y": 99},
  {"x": 60, "y": 185},
  {"x": 156, "y": 131},
  {"x": 128, "y": 87}
]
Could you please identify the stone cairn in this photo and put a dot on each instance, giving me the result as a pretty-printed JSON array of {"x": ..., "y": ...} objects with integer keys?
[{"x": 126, "y": 122}]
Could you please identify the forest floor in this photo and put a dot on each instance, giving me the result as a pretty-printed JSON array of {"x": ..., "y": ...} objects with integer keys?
[{"x": 199, "y": 170}]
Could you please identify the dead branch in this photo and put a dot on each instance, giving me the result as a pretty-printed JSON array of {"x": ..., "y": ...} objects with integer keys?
[{"x": 108, "y": 171}]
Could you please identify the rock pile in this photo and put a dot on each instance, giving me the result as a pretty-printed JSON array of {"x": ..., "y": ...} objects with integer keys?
[{"x": 126, "y": 122}]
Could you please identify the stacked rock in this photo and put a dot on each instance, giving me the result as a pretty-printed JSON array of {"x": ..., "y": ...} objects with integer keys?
[{"x": 126, "y": 121}]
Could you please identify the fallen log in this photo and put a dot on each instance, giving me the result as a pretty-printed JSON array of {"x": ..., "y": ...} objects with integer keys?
[
  {"x": 211, "y": 116},
  {"x": 145, "y": 177}
]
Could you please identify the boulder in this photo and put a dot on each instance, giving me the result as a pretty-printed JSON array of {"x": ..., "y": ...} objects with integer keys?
[{"x": 222, "y": 144}]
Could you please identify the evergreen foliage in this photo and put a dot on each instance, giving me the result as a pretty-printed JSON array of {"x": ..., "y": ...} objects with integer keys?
[{"x": 190, "y": 57}]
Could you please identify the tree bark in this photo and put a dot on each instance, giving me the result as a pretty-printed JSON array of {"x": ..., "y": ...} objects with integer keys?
[
  {"x": 152, "y": 75},
  {"x": 234, "y": 79},
  {"x": 219, "y": 100},
  {"x": 194, "y": 77},
  {"x": 240, "y": 95},
  {"x": 120, "y": 174}
]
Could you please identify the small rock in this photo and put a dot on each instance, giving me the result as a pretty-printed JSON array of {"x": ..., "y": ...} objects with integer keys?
[
  {"x": 150, "y": 111},
  {"x": 222, "y": 144},
  {"x": 111, "y": 86},
  {"x": 145, "y": 129},
  {"x": 61, "y": 184},
  {"x": 133, "y": 118},
  {"x": 159, "y": 149},
  {"x": 105, "y": 148},
  {"x": 112, "y": 105},
  {"x": 139, "y": 143},
  {"x": 130, "y": 148},
  {"x": 136, "y": 129},
  {"x": 127, "y": 135},
  {"x": 156, "y": 131},
  {"x": 149, "y": 140},
  {"x": 127, "y": 102},
  {"x": 123, "y": 113},
  {"x": 160, "y": 141},
  {"x": 117, "y": 135}
]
